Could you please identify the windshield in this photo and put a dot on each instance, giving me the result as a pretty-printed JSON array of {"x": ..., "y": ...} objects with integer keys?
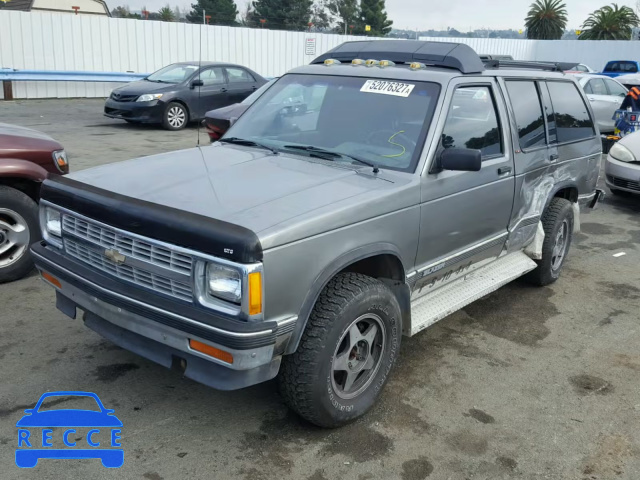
[
  {"x": 254, "y": 96},
  {"x": 382, "y": 122},
  {"x": 176, "y": 73}
]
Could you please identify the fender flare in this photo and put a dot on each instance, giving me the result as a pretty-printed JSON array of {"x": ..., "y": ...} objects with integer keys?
[
  {"x": 17, "y": 168},
  {"x": 330, "y": 271},
  {"x": 556, "y": 188}
]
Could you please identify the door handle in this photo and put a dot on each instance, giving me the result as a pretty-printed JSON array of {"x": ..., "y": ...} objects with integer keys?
[
  {"x": 553, "y": 157},
  {"x": 254, "y": 88},
  {"x": 503, "y": 170},
  {"x": 223, "y": 90}
]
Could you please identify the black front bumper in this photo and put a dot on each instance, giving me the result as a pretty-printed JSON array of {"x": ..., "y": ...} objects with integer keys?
[
  {"x": 143, "y": 112},
  {"x": 191, "y": 366}
]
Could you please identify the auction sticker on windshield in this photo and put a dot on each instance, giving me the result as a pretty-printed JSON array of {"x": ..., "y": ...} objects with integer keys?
[{"x": 387, "y": 88}]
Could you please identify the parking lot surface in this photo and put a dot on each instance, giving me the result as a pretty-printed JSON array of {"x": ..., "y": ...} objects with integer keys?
[{"x": 527, "y": 383}]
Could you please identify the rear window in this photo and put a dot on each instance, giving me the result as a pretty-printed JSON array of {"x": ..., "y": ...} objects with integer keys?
[
  {"x": 628, "y": 67},
  {"x": 528, "y": 111},
  {"x": 571, "y": 114}
]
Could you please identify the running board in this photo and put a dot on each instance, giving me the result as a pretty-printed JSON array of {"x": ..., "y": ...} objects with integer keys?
[{"x": 428, "y": 309}]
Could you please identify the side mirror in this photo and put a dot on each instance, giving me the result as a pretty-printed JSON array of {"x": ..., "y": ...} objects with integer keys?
[
  {"x": 197, "y": 83},
  {"x": 461, "y": 159}
]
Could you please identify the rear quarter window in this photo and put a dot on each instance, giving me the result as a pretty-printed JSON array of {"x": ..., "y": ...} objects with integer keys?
[
  {"x": 528, "y": 112},
  {"x": 572, "y": 118}
]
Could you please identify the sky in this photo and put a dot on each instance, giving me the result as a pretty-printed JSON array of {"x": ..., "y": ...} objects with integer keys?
[{"x": 463, "y": 15}]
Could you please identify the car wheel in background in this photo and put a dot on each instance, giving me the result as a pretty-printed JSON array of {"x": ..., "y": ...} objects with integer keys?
[
  {"x": 349, "y": 345},
  {"x": 175, "y": 116},
  {"x": 18, "y": 230},
  {"x": 557, "y": 222}
]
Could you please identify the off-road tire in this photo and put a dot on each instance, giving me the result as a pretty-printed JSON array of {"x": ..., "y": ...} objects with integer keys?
[
  {"x": 23, "y": 205},
  {"x": 559, "y": 210},
  {"x": 166, "y": 121},
  {"x": 305, "y": 378}
]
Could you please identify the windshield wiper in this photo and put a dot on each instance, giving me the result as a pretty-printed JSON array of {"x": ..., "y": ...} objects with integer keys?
[
  {"x": 322, "y": 151},
  {"x": 248, "y": 143}
]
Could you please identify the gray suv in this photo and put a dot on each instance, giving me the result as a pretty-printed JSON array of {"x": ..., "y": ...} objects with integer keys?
[{"x": 362, "y": 197}]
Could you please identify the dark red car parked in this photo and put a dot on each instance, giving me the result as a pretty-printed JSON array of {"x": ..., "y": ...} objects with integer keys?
[{"x": 27, "y": 157}]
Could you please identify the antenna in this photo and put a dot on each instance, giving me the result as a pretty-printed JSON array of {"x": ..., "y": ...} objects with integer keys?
[{"x": 200, "y": 72}]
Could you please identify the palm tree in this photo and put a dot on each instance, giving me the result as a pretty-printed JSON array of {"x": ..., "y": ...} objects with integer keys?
[
  {"x": 166, "y": 14},
  {"x": 610, "y": 23},
  {"x": 546, "y": 20}
]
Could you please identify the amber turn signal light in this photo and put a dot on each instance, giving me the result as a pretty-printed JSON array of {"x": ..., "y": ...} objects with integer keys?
[
  {"x": 211, "y": 351},
  {"x": 51, "y": 279},
  {"x": 255, "y": 293}
]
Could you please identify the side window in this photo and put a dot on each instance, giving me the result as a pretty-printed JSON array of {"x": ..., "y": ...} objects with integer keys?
[
  {"x": 629, "y": 67},
  {"x": 612, "y": 67},
  {"x": 212, "y": 76},
  {"x": 587, "y": 88},
  {"x": 472, "y": 122},
  {"x": 239, "y": 75},
  {"x": 598, "y": 87},
  {"x": 615, "y": 88},
  {"x": 528, "y": 111},
  {"x": 571, "y": 114}
]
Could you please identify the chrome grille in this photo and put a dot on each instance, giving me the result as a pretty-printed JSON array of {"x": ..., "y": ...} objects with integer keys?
[
  {"x": 126, "y": 272},
  {"x": 86, "y": 241},
  {"x": 129, "y": 246}
]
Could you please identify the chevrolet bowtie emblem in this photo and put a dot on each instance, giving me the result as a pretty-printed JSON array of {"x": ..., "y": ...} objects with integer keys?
[{"x": 115, "y": 256}]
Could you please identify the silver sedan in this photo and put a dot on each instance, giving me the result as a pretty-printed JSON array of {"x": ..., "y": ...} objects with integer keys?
[
  {"x": 605, "y": 95},
  {"x": 622, "y": 167}
]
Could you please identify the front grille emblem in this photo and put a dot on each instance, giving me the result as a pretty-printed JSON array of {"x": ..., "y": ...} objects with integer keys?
[{"x": 115, "y": 256}]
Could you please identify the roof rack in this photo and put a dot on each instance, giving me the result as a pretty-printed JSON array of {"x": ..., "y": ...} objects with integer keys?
[
  {"x": 549, "y": 66},
  {"x": 441, "y": 54}
]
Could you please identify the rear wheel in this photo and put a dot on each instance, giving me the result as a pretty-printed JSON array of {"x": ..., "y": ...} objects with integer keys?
[
  {"x": 18, "y": 229},
  {"x": 175, "y": 116},
  {"x": 346, "y": 352},
  {"x": 557, "y": 222}
]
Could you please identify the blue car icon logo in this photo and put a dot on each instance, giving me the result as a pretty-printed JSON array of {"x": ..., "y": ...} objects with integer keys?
[{"x": 62, "y": 427}]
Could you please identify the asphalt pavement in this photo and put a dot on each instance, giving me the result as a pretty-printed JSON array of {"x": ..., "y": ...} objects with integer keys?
[{"x": 527, "y": 383}]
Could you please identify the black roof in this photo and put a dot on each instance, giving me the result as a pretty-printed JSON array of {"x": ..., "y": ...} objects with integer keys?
[{"x": 442, "y": 54}]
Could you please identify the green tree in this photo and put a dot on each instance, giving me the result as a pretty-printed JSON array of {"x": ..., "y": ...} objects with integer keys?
[
  {"x": 320, "y": 16},
  {"x": 166, "y": 14},
  {"x": 223, "y": 12},
  {"x": 284, "y": 14},
  {"x": 124, "y": 12},
  {"x": 546, "y": 20},
  {"x": 346, "y": 12},
  {"x": 372, "y": 13},
  {"x": 610, "y": 23}
]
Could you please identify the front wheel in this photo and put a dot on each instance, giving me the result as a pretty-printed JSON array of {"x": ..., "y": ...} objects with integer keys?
[
  {"x": 175, "y": 116},
  {"x": 557, "y": 223},
  {"x": 345, "y": 355},
  {"x": 18, "y": 229}
]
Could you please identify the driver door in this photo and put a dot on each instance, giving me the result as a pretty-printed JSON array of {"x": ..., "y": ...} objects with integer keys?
[{"x": 464, "y": 215}]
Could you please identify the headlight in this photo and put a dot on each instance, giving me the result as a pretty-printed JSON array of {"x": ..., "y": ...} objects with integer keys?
[
  {"x": 148, "y": 97},
  {"x": 621, "y": 153},
  {"x": 52, "y": 223},
  {"x": 61, "y": 161},
  {"x": 224, "y": 282}
]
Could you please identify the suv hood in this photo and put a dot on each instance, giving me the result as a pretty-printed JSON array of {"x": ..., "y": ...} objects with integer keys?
[
  {"x": 272, "y": 195},
  {"x": 15, "y": 139}
]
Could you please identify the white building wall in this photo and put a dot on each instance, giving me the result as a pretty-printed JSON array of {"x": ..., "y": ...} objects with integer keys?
[{"x": 53, "y": 41}]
